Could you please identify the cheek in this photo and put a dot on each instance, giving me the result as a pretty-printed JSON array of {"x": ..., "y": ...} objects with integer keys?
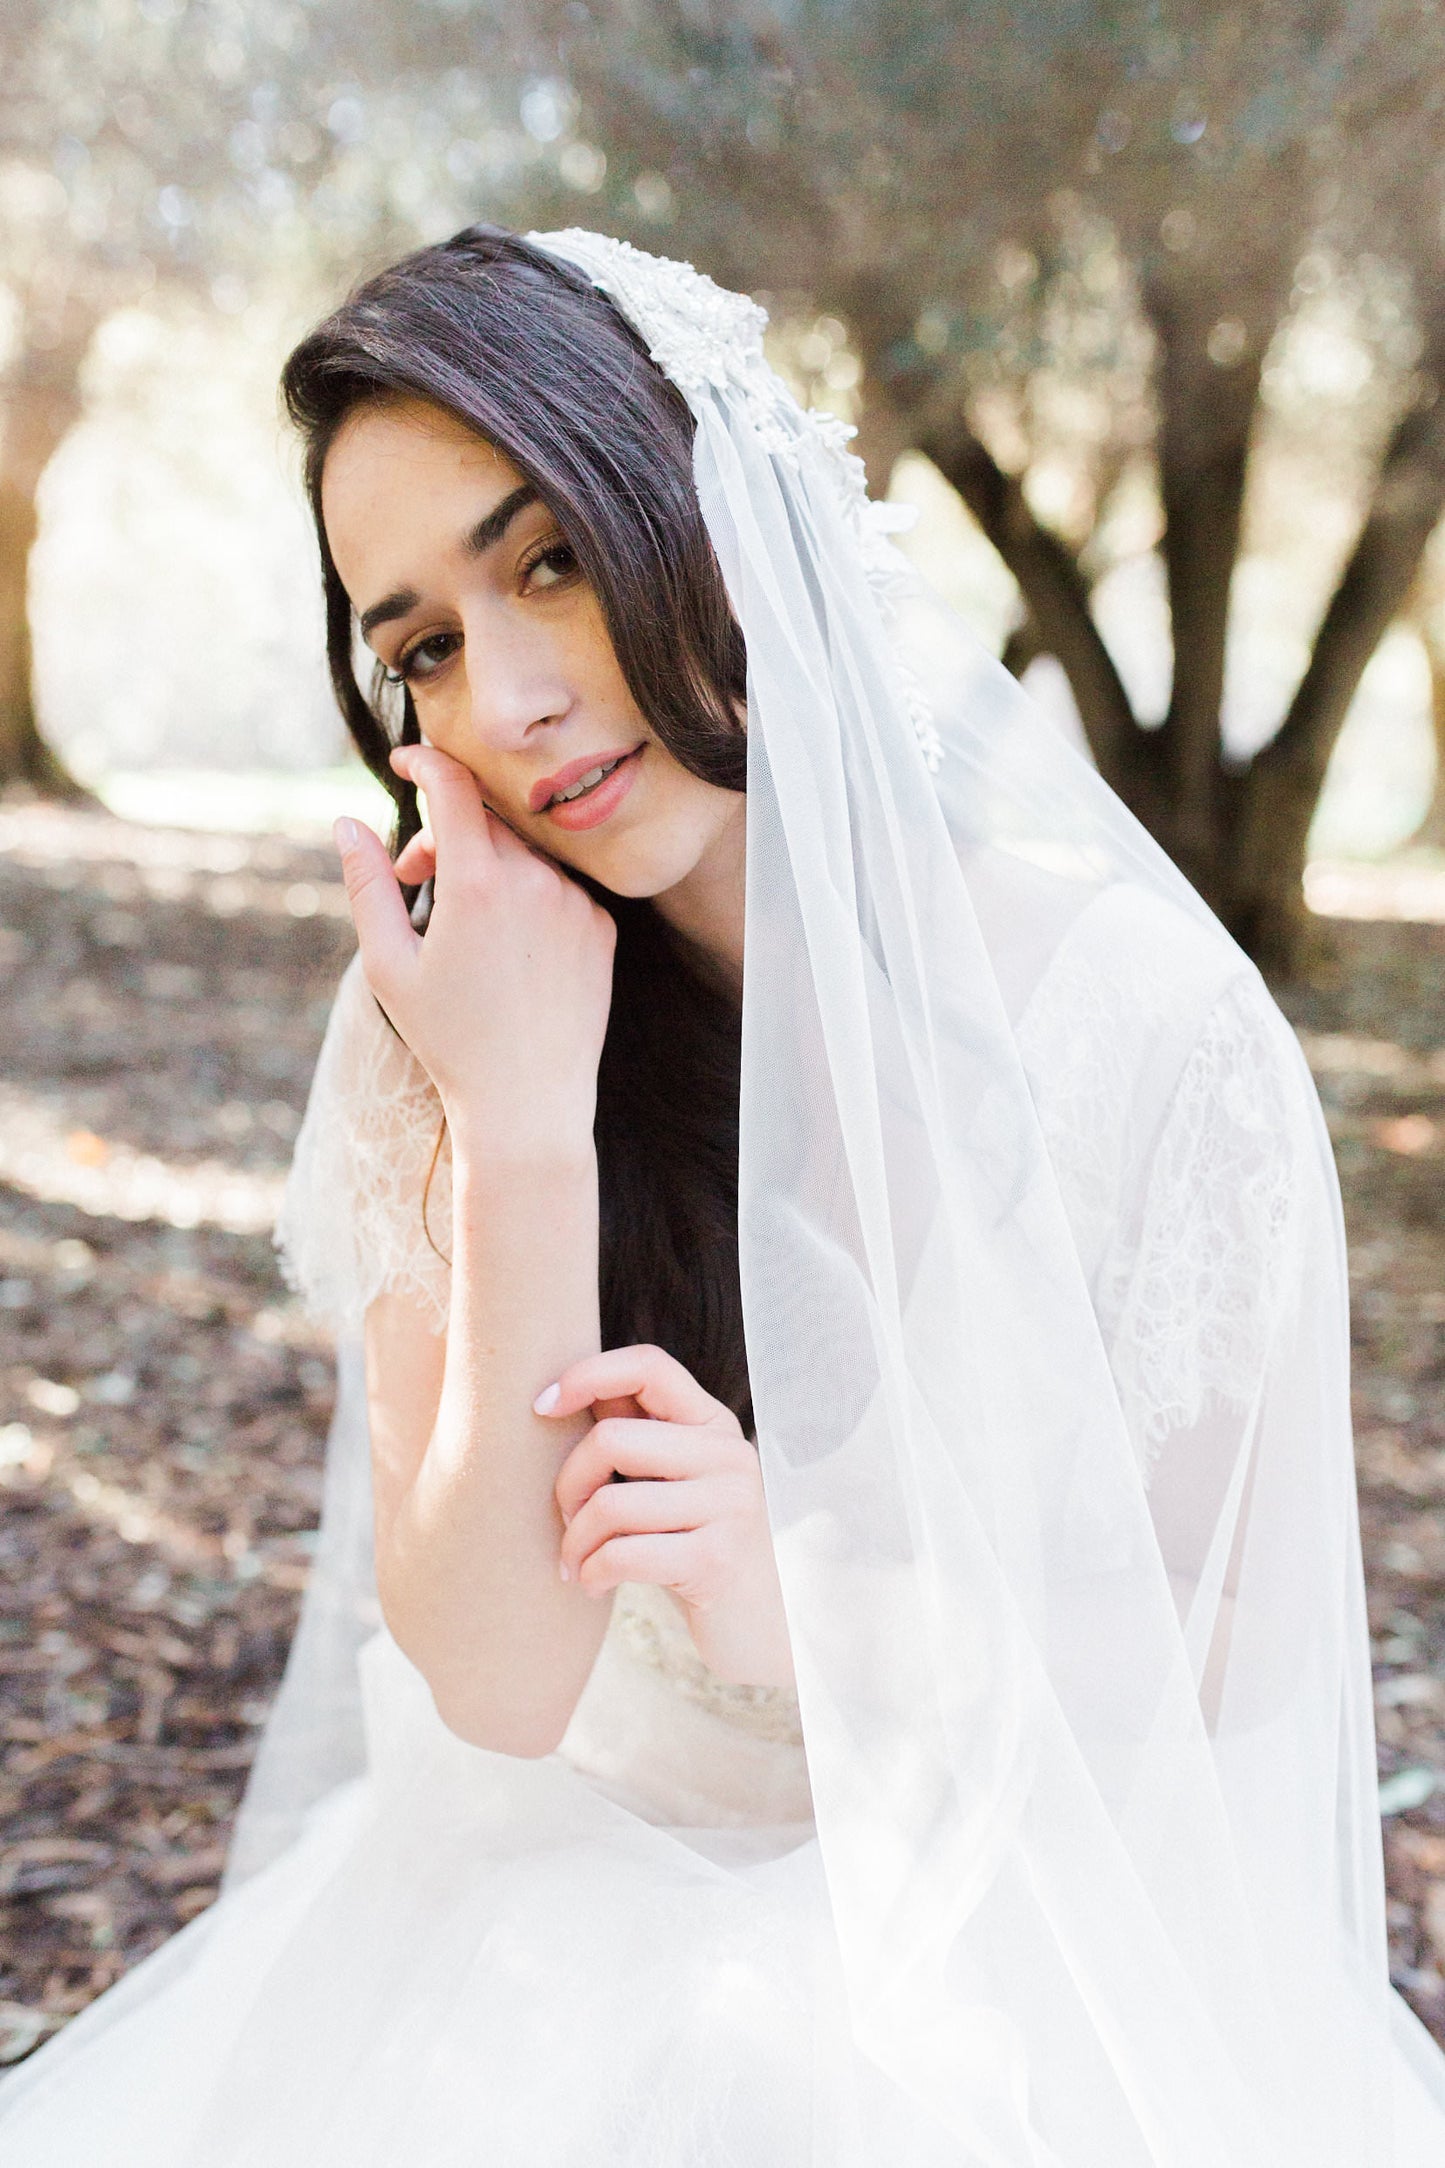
[
  {"x": 588, "y": 657},
  {"x": 444, "y": 714}
]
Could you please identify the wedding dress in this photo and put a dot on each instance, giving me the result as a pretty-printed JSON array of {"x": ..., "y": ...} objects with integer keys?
[{"x": 1066, "y": 1853}]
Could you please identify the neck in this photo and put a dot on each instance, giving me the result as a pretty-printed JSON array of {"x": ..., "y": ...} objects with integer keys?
[{"x": 706, "y": 906}]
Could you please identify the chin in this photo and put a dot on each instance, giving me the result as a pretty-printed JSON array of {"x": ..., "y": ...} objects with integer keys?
[
  {"x": 647, "y": 856},
  {"x": 642, "y": 867}
]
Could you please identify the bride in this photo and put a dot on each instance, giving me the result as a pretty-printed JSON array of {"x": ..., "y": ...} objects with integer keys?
[{"x": 847, "y": 1645}]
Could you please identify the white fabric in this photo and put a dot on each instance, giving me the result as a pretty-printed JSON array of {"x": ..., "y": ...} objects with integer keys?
[{"x": 1043, "y": 1275}]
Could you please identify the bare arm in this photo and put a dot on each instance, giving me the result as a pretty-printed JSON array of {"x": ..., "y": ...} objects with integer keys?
[
  {"x": 467, "y": 1528},
  {"x": 505, "y": 1003}
]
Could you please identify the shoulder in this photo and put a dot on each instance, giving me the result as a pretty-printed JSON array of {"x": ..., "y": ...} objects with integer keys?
[
  {"x": 1186, "y": 1140},
  {"x": 1142, "y": 998}
]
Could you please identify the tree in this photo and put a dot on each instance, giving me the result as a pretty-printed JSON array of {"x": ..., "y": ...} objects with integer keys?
[
  {"x": 923, "y": 169},
  {"x": 195, "y": 144}
]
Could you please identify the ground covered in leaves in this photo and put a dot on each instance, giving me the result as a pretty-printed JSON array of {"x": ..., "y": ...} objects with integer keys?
[{"x": 163, "y": 1406}]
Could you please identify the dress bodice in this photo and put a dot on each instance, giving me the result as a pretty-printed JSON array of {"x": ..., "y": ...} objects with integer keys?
[{"x": 656, "y": 1728}]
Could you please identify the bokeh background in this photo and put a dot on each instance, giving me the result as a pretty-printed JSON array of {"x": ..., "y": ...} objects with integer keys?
[{"x": 1140, "y": 303}]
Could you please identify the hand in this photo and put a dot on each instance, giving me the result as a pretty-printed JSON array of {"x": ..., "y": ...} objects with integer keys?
[
  {"x": 691, "y": 1517},
  {"x": 505, "y": 1002}
]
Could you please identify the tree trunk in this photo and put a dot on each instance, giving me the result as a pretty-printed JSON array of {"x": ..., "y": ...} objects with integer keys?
[
  {"x": 1239, "y": 836},
  {"x": 914, "y": 407},
  {"x": 1278, "y": 795},
  {"x": 41, "y": 403},
  {"x": 24, "y": 755},
  {"x": 1206, "y": 415}
]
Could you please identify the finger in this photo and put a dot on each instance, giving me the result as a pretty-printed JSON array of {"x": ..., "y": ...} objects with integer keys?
[
  {"x": 418, "y": 862},
  {"x": 655, "y": 1379},
  {"x": 456, "y": 815},
  {"x": 669, "y": 1560},
  {"x": 378, "y": 909},
  {"x": 633, "y": 1509},
  {"x": 508, "y": 844},
  {"x": 642, "y": 1451}
]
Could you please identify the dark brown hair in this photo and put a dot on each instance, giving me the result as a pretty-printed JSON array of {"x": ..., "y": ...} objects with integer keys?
[{"x": 524, "y": 350}]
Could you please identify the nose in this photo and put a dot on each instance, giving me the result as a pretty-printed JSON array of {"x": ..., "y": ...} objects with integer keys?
[{"x": 514, "y": 686}]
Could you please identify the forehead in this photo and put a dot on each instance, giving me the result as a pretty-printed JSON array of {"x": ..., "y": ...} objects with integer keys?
[{"x": 402, "y": 474}]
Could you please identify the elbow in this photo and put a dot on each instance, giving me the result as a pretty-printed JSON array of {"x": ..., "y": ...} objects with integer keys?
[
  {"x": 487, "y": 1706},
  {"x": 524, "y": 1734}
]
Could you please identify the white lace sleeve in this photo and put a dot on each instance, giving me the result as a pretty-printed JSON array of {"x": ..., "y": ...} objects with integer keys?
[
  {"x": 358, "y": 1217},
  {"x": 1189, "y": 1288},
  {"x": 1162, "y": 1092}
]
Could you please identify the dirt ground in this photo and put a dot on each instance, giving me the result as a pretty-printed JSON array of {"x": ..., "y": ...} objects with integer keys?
[{"x": 163, "y": 1405}]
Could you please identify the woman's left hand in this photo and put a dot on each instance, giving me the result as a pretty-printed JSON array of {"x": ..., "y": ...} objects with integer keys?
[{"x": 691, "y": 1515}]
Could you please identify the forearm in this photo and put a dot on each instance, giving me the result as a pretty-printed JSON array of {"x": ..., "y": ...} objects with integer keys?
[{"x": 468, "y": 1547}]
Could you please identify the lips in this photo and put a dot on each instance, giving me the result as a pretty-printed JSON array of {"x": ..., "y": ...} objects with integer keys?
[
  {"x": 600, "y": 789},
  {"x": 582, "y": 771},
  {"x": 570, "y": 775}
]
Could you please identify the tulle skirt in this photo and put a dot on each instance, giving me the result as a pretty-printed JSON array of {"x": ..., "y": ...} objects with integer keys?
[{"x": 468, "y": 1961}]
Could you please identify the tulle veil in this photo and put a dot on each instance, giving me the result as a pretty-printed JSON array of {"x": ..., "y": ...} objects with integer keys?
[{"x": 1046, "y": 1314}]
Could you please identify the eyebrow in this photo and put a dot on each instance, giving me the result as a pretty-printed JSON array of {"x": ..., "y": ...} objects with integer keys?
[{"x": 488, "y": 531}]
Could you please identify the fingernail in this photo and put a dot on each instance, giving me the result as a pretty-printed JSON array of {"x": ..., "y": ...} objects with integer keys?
[
  {"x": 565, "y": 1570},
  {"x": 547, "y": 1399},
  {"x": 344, "y": 833}
]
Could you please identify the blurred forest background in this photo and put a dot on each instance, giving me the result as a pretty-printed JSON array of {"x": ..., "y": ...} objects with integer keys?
[{"x": 1141, "y": 303}]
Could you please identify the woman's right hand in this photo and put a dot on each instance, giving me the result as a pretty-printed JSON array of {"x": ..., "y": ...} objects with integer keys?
[{"x": 505, "y": 1001}]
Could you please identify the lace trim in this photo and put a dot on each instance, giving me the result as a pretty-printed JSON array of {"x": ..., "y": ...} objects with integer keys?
[
  {"x": 1187, "y": 1272},
  {"x": 351, "y": 1224},
  {"x": 1189, "y": 1305},
  {"x": 647, "y": 1626}
]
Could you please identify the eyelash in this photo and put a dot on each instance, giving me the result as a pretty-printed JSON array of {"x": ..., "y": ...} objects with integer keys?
[{"x": 404, "y": 673}]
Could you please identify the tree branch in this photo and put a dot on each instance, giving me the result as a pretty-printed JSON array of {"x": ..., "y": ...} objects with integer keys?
[
  {"x": 1022, "y": 647},
  {"x": 1052, "y": 585},
  {"x": 1279, "y": 793},
  {"x": 1408, "y": 501}
]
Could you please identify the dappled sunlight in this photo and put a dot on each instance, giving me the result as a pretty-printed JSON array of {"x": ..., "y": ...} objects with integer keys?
[
  {"x": 221, "y": 873},
  {"x": 1410, "y": 887},
  {"x": 1351, "y": 1054},
  {"x": 40, "y": 1457},
  {"x": 45, "y": 1156}
]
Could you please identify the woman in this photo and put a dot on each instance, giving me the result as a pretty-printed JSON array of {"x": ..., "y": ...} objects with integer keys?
[{"x": 802, "y": 1047}]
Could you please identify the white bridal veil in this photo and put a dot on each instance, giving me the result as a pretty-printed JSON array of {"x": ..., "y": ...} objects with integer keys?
[{"x": 1046, "y": 1313}]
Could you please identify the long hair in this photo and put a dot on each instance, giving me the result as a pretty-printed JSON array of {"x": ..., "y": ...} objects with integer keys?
[{"x": 523, "y": 350}]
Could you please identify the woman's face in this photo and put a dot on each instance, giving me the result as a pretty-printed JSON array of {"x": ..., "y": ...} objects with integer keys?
[{"x": 466, "y": 590}]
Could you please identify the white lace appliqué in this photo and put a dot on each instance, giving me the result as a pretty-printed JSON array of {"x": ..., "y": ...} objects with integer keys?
[
  {"x": 1184, "y": 1256},
  {"x": 358, "y": 1218},
  {"x": 1190, "y": 1300},
  {"x": 650, "y": 1627}
]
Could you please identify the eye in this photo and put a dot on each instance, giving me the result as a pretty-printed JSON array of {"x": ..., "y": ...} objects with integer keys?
[
  {"x": 424, "y": 658},
  {"x": 552, "y": 566}
]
